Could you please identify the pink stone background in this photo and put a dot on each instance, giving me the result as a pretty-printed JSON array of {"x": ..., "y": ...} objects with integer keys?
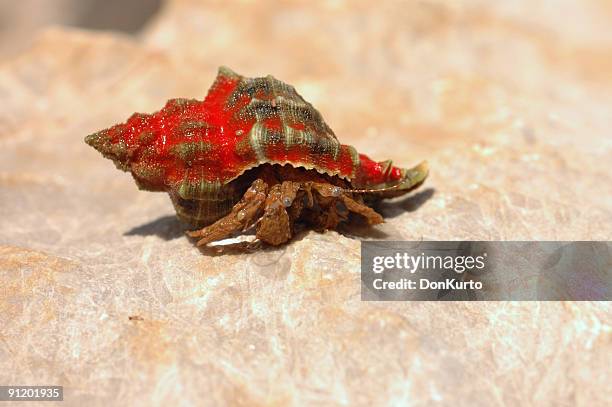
[{"x": 511, "y": 104}]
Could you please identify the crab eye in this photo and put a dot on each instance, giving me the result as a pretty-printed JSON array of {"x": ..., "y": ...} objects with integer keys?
[
  {"x": 336, "y": 191},
  {"x": 287, "y": 202}
]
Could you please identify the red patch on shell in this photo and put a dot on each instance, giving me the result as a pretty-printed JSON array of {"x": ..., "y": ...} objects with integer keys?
[{"x": 240, "y": 124}]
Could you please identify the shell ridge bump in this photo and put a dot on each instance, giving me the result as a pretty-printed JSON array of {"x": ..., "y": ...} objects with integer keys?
[{"x": 285, "y": 129}]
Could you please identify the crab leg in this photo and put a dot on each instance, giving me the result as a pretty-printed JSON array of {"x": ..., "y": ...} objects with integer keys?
[
  {"x": 370, "y": 214},
  {"x": 274, "y": 227},
  {"x": 328, "y": 190},
  {"x": 247, "y": 209}
]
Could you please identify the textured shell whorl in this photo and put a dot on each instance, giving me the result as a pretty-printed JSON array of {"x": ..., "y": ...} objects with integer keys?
[
  {"x": 265, "y": 121},
  {"x": 285, "y": 129}
]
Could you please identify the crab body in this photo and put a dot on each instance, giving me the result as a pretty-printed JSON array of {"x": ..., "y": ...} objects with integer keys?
[{"x": 208, "y": 155}]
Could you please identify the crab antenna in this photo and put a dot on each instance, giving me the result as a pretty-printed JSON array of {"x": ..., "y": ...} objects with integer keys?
[{"x": 369, "y": 190}]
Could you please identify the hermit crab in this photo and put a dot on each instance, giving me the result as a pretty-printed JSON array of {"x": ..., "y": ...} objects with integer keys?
[{"x": 252, "y": 155}]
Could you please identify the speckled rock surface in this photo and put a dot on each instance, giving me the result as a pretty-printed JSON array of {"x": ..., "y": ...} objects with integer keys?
[{"x": 510, "y": 103}]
